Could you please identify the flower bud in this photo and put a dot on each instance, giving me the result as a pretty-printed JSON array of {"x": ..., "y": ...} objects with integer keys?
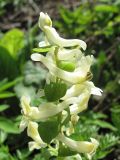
[{"x": 44, "y": 20}]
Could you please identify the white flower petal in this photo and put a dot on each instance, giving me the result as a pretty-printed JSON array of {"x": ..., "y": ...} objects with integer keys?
[
  {"x": 96, "y": 144},
  {"x": 78, "y": 157},
  {"x": 48, "y": 110},
  {"x": 69, "y": 54},
  {"x": 42, "y": 44},
  {"x": 72, "y": 77},
  {"x": 85, "y": 63},
  {"x": 74, "y": 118},
  {"x": 74, "y": 91},
  {"x": 94, "y": 90},
  {"x": 64, "y": 115},
  {"x": 33, "y": 145},
  {"x": 54, "y": 39},
  {"x": 70, "y": 130},
  {"x": 23, "y": 123},
  {"x": 77, "y": 89},
  {"x": 25, "y": 104},
  {"x": 34, "y": 113},
  {"x": 82, "y": 103},
  {"x": 32, "y": 132}
]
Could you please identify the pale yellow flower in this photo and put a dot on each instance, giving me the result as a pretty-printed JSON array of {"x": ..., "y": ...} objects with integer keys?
[
  {"x": 71, "y": 77},
  {"x": 53, "y": 37},
  {"x": 81, "y": 104},
  {"x": 79, "y": 146},
  {"x": 32, "y": 131},
  {"x": 78, "y": 89},
  {"x": 44, "y": 111}
]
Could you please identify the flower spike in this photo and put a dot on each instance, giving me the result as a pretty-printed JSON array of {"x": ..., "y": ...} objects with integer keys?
[{"x": 66, "y": 93}]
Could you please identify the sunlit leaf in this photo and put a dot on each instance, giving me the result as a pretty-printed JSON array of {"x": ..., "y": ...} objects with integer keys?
[
  {"x": 13, "y": 41},
  {"x": 6, "y": 94},
  {"x": 106, "y": 8},
  {"x": 41, "y": 49}
]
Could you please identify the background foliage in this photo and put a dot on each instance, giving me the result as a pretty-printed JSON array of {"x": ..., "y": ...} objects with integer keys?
[{"x": 96, "y": 22}]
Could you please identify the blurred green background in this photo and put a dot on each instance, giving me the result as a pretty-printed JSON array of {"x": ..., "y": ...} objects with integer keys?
[{"x": 97, "y": 22}]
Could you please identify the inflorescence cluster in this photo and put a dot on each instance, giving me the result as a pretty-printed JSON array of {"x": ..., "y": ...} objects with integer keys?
[{"x": 67, "y": 91}]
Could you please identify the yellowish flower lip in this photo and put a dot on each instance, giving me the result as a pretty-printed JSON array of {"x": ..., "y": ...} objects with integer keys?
[{"x": 79, "y": 146}]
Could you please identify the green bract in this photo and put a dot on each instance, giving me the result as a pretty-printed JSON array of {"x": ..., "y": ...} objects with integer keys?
[
  {"x": 55, "y": 91},
  {"x": 49, "y": 130}
]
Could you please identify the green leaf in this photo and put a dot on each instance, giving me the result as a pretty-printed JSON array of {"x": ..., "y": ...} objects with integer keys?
[
  {"x": 106, "y": 8},
  {"x": 103, "y": 124},
  {"x": 113, "y": 87},
  {"x": 107, "y": 142},
  {"x": 54, "y": 91},
  {"x": 117, "y": 19},
  {"x": 102, "y": 154},
  {"x": 66, "y": 65},
  {"x": 3, "y": 136},
  {"x": 84, "y": 131},
  {"x": 8, "y": 66},
  {"x": 115, "y": 112},
  {"x": 5, "y": 154},
  {"x": 3, "y": 82},
  {"x": 4, "y": 107},
  {"x": 39, "y": 157},
  {"x": 102, "y": 57},
  {"x": 66, "y": 15},
  {"x": 42, "y": 49},
  {"x": 6, "y": 95},
  {"x": 13, "y": 41},
  {"x": 8, "y": 84},
  {"x": 8, "y": 126},
  {"x": 49, "y": 130},
  {"x": 23, "y": 154}
]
